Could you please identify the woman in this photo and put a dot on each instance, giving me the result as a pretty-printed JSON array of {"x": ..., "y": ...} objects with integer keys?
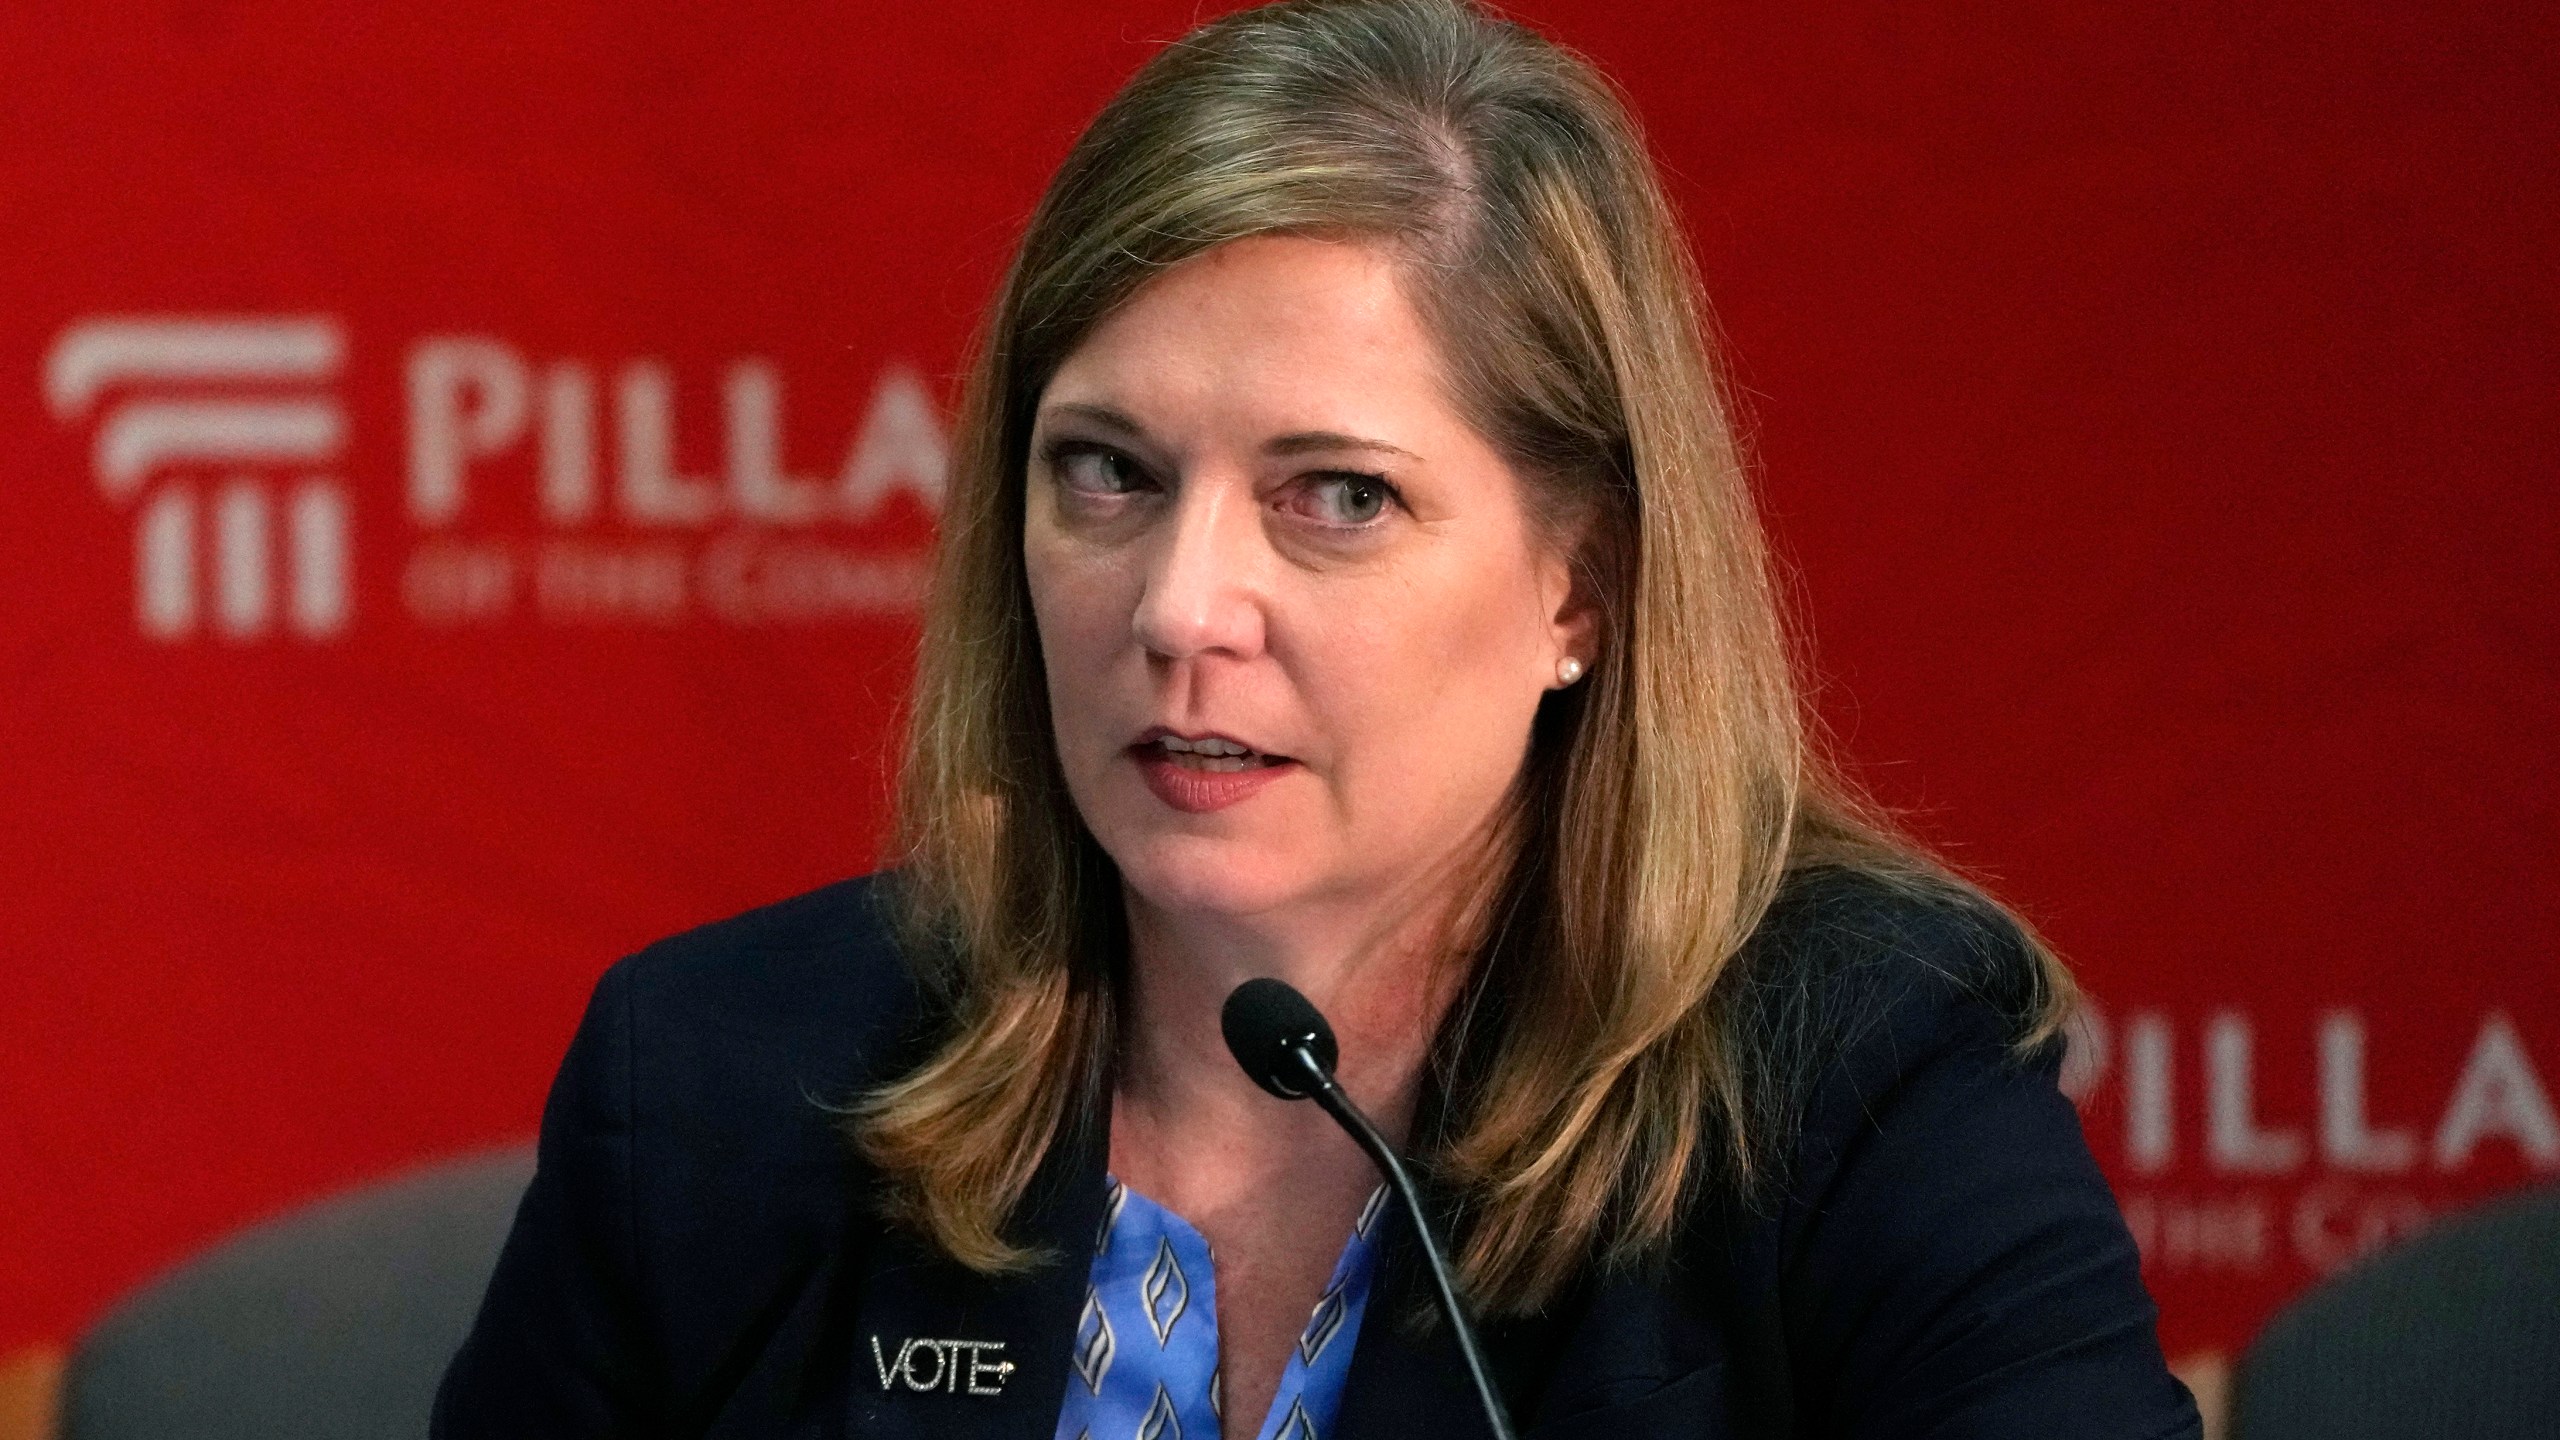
[{"x": 1349, "y": 577}]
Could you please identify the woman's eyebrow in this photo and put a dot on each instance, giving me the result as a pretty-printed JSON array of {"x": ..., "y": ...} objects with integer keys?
[
  {"x": 1297, "y": 442},
  {"x": 1302, "y": 441},
  {"x": 1102, "y": 415}
]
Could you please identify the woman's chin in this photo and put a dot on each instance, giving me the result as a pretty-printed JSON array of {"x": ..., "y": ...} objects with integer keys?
[{"x": 1189, "y": 874}]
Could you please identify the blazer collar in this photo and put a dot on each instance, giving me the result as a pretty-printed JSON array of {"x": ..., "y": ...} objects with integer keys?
[{"x": 943, "y": 1353}]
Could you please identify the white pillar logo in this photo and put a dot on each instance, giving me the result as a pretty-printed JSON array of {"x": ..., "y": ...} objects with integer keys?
[{"x": 197, "y": 393}]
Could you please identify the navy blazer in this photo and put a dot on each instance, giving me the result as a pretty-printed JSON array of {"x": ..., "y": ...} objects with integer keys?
[{"x": 700, "y": 1253}]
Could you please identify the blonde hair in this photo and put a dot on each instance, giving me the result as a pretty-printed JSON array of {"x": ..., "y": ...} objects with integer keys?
[{"x": 1665, "y": 798}]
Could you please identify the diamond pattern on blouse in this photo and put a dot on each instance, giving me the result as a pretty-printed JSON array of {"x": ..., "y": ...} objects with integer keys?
[
  {"x": 1369, "y": 1213},
  {"x": 1297, "y": 1426},
  {"x": 1160, "y": 1422},
  {"x": 1112, "y": 1204},
  {"x": 1323, "y": 1325},
  {"x": 1165, "y": 1290},
  {"x": 1153, "y": 1270},
  {"x": 1094, "y": 1342}
]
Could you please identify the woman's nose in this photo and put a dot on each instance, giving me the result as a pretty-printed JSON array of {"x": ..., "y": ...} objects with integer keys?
[{"x": 1201, "y": 593}]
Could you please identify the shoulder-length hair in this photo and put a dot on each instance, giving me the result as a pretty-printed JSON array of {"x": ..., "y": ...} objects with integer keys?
[{"x": 1664, "y": 799}]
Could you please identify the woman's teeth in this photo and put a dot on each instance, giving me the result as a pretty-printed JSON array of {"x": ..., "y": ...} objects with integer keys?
[{"x": 1211, "y": 754}]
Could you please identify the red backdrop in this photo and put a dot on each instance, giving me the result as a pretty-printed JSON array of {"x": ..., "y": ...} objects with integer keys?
[{"x": 466, "y": 478}]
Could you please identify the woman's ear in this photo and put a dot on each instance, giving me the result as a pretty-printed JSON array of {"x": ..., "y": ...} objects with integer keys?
[{"x": 1571, "y": 605}]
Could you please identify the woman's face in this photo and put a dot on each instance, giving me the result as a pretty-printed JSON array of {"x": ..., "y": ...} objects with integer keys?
[{"x": 1295, "y": 616}]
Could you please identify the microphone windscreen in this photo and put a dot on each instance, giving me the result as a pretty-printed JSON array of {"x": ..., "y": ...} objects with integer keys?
[{"x": 1265, "y": 1021}]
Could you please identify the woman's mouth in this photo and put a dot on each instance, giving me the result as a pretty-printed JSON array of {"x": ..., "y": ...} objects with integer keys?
[
  {"x": 1215, "y": 754},
  {"x": 1212, "y": 772}
]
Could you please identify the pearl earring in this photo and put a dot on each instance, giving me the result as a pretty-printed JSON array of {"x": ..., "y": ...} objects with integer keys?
[{"x": 1568, "y": 670}]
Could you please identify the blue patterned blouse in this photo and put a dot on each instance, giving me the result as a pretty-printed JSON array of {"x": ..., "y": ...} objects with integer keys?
[{"x": 1146, "y": 1356}]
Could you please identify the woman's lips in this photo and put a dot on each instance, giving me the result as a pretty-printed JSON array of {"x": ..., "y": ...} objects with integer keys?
[{"x": 1195, "y": 790}]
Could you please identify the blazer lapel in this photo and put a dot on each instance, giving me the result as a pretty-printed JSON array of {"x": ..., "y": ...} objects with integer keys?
[
  {"x": 1407, "y": 1378},
  {"x": 943, "y": 1352},
  {"x": 1619, "y": 1358}
]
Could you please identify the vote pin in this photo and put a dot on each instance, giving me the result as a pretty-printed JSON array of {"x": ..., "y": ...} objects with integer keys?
[{"x": 948, "y": 1367}]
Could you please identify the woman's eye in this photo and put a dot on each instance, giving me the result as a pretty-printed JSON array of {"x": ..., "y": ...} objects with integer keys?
[
  {"x": 1089, "y": 470},
  {"x": 1350, "y": 499}
]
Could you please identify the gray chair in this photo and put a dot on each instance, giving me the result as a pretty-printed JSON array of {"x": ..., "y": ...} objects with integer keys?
[
  {"x": 331, "y": 1323},
  {"x": 2454, "y": 1334}
]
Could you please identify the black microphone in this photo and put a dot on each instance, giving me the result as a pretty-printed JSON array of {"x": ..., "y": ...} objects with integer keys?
[{"x": 1282, "y": 1041}]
